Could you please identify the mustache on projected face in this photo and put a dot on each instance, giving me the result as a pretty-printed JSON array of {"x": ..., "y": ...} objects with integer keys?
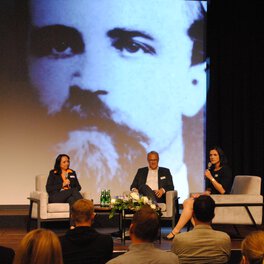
[
  {"x": 87, "y": 103},
  {"x": 85, "y": 109}
]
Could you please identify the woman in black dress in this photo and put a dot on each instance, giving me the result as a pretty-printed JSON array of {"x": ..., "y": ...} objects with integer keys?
[{"x": 218, "y": 181}]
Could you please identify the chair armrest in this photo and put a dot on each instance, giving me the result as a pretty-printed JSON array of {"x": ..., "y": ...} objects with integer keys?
[
  {"x": 171, "y": 197},
  {"x": 40, "y": 204},
  {"x": 237, "y": 198},
  {"x": 230, "y": 214},
  {"x": 86, "y": 195}
]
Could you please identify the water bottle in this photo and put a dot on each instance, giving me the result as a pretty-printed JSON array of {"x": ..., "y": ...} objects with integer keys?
[
  {"x": 107, "y": 198},
  {"x": 102, "y": 198}
]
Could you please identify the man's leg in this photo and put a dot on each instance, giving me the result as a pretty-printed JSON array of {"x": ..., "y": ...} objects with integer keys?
[{"x": 147, "y": 191}]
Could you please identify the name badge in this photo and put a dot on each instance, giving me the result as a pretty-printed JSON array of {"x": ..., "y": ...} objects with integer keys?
[
  {"x": 72, "y": 176},
  {"x": 163, "y": 177}
]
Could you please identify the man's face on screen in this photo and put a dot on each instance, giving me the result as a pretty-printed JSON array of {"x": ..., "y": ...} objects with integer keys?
[{"x": 133, "y": 55}]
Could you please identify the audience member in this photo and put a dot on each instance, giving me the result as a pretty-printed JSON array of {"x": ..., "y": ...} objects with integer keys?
[
  {"x": 39, "y": 246},
  {"x": 202, "y": 244},
  {"x": 6, "y": 255},
  {"x": 153, "y": 181},
  {"x": 84, "y": 244},
  {"x": 143, "y": 232},
  {"x": 252, "y": 248}
]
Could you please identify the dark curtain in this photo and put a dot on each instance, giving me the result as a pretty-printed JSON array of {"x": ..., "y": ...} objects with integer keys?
[{"x": 235, "y": 112}]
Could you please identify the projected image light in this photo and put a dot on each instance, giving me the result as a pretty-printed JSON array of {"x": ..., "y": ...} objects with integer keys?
[{"x": 121, "y": 74}]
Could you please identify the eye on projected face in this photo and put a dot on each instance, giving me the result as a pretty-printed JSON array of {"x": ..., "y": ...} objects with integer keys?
[
  {"x": 130, "y": 42},
  {"x": 61, "y": 42},
  {"x": 56, "y": 42}
]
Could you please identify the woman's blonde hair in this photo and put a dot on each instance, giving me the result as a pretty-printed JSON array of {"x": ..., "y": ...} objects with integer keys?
[
  {"x": 39, "y": 246},
  {"x": 253, "y": 248}
]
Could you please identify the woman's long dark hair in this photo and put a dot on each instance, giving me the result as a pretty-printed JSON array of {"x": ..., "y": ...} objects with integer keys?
[
  {"x": 57, "y": 167},
  {"x": 222, "y": 157}
]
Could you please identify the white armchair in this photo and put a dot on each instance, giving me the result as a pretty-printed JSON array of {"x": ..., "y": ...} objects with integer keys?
[
  {"x": 43, "y": 211},
  {"x": 171, "y": 208},
  {"x": 235, "y": 208}
]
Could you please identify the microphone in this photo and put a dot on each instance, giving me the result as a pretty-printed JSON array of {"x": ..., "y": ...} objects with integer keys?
[
  {"x": 209, "y": 165},
  {"x": 66, "y": 178}
]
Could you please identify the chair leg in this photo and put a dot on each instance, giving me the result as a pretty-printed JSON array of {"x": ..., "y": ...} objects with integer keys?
[
  {"x": 38, "y": 223},
  {"x": 237, "y": 231},
  {"x": 29, "y": 216},
  {"x": 173, "y": 221}
]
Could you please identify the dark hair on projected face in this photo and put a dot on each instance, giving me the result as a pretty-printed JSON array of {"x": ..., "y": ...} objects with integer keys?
[
  {"x": 57, "y": 167},
  {"x": 194, "y": 32}
]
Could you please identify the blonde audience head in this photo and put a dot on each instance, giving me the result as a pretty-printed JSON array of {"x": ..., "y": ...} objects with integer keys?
[
  {"x": 39, "y": 246},
  {"x": 83, "y": 212},
  {"x": 253, "y": 248}
]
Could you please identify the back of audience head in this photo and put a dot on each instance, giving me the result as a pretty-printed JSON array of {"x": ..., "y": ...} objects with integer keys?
[
  {"x": 203, "y": 208},
  {"x": 252, "y": 248},
  {"x": 145, "y": 224},
  {"x": 82, "y": 211},
  {"x": 39, "y": 246}
]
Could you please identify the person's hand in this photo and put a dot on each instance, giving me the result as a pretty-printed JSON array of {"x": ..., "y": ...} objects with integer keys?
[
  {"x": 159, "y": 192},
  {"x": 207, "y": 193},
  {"x": 195, "y": 195},
  {"x": 208, "y": 174},
  {"x": 135, "y": 190},
  {"x": 66, "y": 183}
]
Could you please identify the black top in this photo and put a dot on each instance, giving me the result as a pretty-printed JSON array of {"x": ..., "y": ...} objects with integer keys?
[
  {"x": 222, "y": 176},
  {"x": 85, "y": 245},
  {"x": 54, "y": 182}
]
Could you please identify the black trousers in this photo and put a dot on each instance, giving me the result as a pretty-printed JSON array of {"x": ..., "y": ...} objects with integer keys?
[
  {"x": 67, "y": 196},
  {"x": 147, "y": 191}
]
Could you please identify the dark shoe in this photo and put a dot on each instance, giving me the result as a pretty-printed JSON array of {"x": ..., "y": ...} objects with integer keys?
[{"x": 169, "y": 238}]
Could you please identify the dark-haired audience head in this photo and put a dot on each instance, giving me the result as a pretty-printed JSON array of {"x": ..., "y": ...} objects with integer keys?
[
  {"x": 39, "y": 246},
  {"x": 58, "y": 161},
  {"x": 82, "y": 212},
  {"x": 145, "y": 225},
  {"x": 252, "y": 248},
  {"x": 203, "y": 208},
  {"x": 222, "y": 157}
]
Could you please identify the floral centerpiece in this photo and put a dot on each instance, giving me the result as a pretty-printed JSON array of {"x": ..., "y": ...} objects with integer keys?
[{"x": 132, "y": 202}]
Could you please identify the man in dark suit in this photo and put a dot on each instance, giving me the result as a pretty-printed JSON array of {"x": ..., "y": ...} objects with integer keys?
[{"x": 153, "y": 181}]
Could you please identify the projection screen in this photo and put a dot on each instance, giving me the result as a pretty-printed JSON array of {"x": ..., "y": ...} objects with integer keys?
[{"x": 105, "y": 82}]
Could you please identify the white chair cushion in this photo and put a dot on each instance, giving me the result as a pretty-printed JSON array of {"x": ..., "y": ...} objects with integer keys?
[{"x": 58, "y": 207}]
